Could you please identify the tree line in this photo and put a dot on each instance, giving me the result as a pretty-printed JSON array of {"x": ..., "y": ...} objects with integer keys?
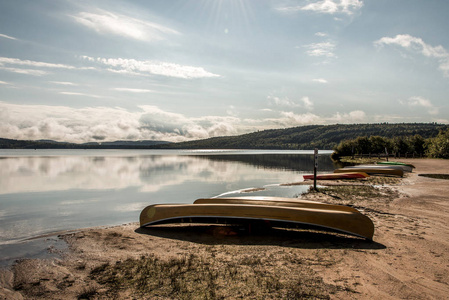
[
  {"x": 414, "y": 145},
  {"x": 325, "y": 137}
]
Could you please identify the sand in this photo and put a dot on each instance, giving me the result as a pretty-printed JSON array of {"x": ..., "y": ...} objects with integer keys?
[{"x": 407, "y": 260}]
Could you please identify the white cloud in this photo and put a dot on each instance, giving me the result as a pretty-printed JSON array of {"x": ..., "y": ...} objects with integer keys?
[
  {"x": 15, "y": 64},
  {"x": 320, "y": 80},
  {"x": 417, "y": 101},
  {"x": 321, "y": 34},
  {"x": 290, "y": 119},
  {"x": 80, "y": 94},
  {"x": 286, "y": 102},
  {"x": 304, "y": 102},
  {"x": 24, "y": 71},
  {"x": 37, "y": 64},
  {"x": 3, "y": 82},
  {"x": 87, "y": 124},
  {"x": 7, "y": 37},
  {"x": 332, "y": 7},
  {"x": 351, "y": 117},
  {"x": 62, "y": 123},
  {"x": 419, "y": 46},
  {"x": 63, "y": 83},
  {"x": 325, "y": 49},
  {"x": 105, "y": 22},
  {"x": 132, "y": 90},
  {"x": 146, "y": 67},
  {"x": 307, "y": 103}
]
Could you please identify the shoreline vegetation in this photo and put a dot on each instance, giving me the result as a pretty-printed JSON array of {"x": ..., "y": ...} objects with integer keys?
[{"x": 408, "y": 258}]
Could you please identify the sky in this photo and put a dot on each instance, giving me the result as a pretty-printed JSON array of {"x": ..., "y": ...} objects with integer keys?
[{"x": 105, "y": 70}]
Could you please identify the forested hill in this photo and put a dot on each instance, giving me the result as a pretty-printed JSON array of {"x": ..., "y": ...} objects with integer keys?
[
  {"x": 303, "y": 137},
  {"x": 310, "y": 137}
]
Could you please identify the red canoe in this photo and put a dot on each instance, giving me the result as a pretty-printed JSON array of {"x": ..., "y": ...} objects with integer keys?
[{"x": 331, "y": 176}]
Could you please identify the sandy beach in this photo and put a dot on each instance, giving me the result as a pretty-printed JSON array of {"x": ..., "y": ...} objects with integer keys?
[{"x": 408, "y": 258}]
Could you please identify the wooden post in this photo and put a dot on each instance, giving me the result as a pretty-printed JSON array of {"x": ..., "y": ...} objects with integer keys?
[{"x": 315, "y": 167}]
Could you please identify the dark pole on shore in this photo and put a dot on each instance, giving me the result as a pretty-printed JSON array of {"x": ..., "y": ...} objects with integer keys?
[{"x": 315, "y": 167}]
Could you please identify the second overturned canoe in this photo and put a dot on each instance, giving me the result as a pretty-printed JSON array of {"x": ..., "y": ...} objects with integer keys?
[
  {"x": 397, "y": 167},
  {"x": 378, "y": 171},
  {"x": 353, "y": 223},
  {"x": 274, "y": 201},
  {"x": 333, "y": 176},
  {"x": 395, "y": 163}
]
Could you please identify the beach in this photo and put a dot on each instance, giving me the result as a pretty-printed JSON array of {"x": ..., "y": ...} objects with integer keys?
[{"x": 407, "y": 258}]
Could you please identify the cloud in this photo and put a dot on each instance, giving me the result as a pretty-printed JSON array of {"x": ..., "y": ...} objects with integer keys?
[
  {"x": 37, "y": 64},
  {"x": 80, "y": 94},
  {"x": 307, "y": 103},
  {"x": 88, "y": 124},
  {"x": 24, "y": 71},
  {"x": 285, "y": 102},
  {"x": 321, "y": 49},
  {"x": 419, "y": 46},
  {"x": 132, "y": 90},
  {"x": 351, "y": 117},
  {"x": 3, "y": 82},
  {"x": 320, "y": 80},
  {"x": 290, "y": 119},
  {"x": 146, "y": 67},
  {"x": 347, "y": 7},
  {"x": 14, "y": 64},
  {"x": 63, "y": 83},
  {"x": 105, "y": 22},
  {"x": 417, "y": 101},
  {"x": 7, "y": 37},
  {"x": 79, "y": 125},
  {"x": 304, "y": 102}
]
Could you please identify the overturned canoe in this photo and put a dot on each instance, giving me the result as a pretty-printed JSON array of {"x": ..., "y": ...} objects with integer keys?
[
  {"x": 353, "y": 223},
  {"x": 274, "y": 201},
  {"x": 395, "y": 163},
  {"x": 370, "y": 171},
  {"x": 333, "y": 176},
  {"x": 397, "y": 167}
]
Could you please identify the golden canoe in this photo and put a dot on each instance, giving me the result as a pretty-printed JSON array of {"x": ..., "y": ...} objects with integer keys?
[{"x": 353, "y": 223}]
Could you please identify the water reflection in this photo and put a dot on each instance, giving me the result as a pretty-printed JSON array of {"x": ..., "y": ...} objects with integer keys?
[{"x": 52, "y": 192}]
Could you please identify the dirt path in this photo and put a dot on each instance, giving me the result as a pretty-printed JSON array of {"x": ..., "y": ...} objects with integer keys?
[{"x": 407, "y": 260}]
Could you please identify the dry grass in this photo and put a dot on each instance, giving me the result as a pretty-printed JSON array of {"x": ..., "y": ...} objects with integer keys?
[{"x": 195, "y": 277}]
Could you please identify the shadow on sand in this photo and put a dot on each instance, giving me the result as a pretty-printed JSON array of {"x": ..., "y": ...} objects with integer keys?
[{"x": 235, "y": 235}]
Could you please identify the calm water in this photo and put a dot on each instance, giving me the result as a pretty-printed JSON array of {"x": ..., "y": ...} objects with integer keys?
[{"x": 46, "y": 191}]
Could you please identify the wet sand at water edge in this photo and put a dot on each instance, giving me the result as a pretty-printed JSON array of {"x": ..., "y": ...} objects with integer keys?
[{"x": 407, "y": 260}]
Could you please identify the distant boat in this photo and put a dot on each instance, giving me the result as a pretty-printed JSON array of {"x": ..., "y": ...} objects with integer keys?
[
  {"x": 395, "y": 163},
  {"x": 331, "y": 176},
  {"x": 349, "y": 222},
  {"x": 377, "y": 171}
]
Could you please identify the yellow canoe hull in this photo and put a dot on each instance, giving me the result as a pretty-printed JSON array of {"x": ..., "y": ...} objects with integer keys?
[
  {"x": 353, "y": 223},
  {"x": 379, "y": 171},
  {"x": 275, "y": 201}
]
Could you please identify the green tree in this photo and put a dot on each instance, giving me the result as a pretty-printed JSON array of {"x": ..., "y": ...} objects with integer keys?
[{"x": 438, "y": 147}]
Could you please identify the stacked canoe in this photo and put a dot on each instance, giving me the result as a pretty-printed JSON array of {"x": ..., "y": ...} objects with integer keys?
[
  {"x": 277, "y": 211},
  {"x": 381, "y": 168}
]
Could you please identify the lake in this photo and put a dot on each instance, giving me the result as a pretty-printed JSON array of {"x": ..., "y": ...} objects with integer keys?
[{"x": 47, "y": 191}]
